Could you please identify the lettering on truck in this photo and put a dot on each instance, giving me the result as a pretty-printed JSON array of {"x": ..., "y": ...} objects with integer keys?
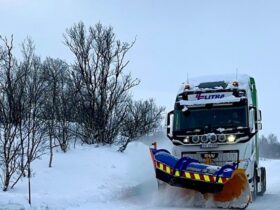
[{"x": 207, "y": 97}]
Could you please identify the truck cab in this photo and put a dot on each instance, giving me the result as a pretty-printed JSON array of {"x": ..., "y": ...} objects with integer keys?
[{"x": 216, "y": 121}]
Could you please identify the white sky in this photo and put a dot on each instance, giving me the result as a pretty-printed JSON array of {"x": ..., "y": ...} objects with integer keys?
[{"x": 173, "y": 38}]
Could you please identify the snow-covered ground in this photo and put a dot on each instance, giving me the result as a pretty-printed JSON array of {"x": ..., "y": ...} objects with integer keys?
[{"x": 89, "y": 178}]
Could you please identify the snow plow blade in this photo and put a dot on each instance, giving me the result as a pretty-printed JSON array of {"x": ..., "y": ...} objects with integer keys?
[{"x": 227, "y": 186}]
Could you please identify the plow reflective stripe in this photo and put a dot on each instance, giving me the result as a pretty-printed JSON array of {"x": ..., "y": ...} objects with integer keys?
[
  {"x": 168, "y": 170},
  {"x": 196, "y": 177},
  {"x": 187, "y": 175},
  {"x": 206, "y": 178},
  {"x": 164, "y": 167},
  {"x": 220, "y": 180},
  {"x": 161, "y": 166},
  {"x": 177, "y": 173},
  {"x": 190, "y": 175}
]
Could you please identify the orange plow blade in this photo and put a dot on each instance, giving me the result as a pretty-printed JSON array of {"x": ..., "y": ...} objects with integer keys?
[{"x": 236, "y": 191}]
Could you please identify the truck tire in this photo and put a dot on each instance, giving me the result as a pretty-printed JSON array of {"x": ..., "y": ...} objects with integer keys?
[{"x": 263, "y": 181}]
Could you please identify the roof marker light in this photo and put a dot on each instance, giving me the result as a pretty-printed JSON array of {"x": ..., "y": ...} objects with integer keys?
[
  {"x": 187, "y": 87},
  {"x": 235, "y": 84}
]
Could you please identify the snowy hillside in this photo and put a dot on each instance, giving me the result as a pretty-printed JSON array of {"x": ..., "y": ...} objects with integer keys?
[{"x": 89, "y": 178}]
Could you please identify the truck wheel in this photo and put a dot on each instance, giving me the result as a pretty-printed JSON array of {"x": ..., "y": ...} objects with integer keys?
[{"x": 263, "y": 181}]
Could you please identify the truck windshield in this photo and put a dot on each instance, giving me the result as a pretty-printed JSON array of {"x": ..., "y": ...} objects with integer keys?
[{"x": 216, "y": 117}]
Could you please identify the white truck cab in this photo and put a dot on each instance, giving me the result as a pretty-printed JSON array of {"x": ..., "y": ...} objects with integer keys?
[{"x": 216, "y": 120}]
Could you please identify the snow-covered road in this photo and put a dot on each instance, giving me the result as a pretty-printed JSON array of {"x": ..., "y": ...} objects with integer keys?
[
  {"x": 89, "y": 178},
  {"x": 145, "y": 196}
]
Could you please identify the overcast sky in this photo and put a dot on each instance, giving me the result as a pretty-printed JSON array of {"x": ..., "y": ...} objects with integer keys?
[{"x": 173, "y": 39}]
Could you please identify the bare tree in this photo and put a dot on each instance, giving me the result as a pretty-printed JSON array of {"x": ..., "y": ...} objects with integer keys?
[
  {"x": 57, "y": 107},
  {"x": 32, "y": 101},
  {"x": 143, "y": 117},
  {"x": 20, "y": 101},
  {"x": 65, "y": 109},
  {"x": 9, "y": 146},
  {"x": 99, "y": 78},
  {"x": 29, "y": 95}
]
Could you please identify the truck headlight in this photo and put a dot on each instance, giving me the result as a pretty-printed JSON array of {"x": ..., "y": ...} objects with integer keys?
[
  {"x": 187, "y": 139},
  {"x": 231, "y": 138},
  {"x": 195, "y": 139}
]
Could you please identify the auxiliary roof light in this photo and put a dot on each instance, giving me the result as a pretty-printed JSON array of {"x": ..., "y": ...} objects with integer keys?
[
  {"x": 212, "y": 138},
  {"x": 231, "y": 138},
  {"x": 195, "y": 139},
  {"x": 222, "y": 138},
  {"x": 204, "y": 138},
  {"x": 235, "y": 84}
]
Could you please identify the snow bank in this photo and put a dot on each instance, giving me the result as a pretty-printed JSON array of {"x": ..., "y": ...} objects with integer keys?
[{"x": 86, "y": 174}]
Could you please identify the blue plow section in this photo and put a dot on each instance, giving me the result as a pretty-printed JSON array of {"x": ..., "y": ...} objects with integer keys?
[{"x": 189, "y": 173}]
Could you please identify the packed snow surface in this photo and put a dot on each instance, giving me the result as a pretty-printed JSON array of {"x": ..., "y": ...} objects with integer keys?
[{"x": 89, "y": 178}]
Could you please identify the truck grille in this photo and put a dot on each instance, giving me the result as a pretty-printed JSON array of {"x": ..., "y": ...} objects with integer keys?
[{"x": 218, "y": 158}]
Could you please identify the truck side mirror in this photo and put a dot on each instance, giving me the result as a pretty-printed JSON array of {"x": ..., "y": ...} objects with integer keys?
[
  {"x": 169, "y": 124},
  {"x": 252, "y": 121},
  {"x": 259, "y": 115},
  {"x": 255, "y": 119},
  {"x": 259, "y": 119}
]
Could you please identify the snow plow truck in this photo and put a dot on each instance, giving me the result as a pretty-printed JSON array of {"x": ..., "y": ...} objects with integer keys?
[{"x": 214, "y": 130}]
